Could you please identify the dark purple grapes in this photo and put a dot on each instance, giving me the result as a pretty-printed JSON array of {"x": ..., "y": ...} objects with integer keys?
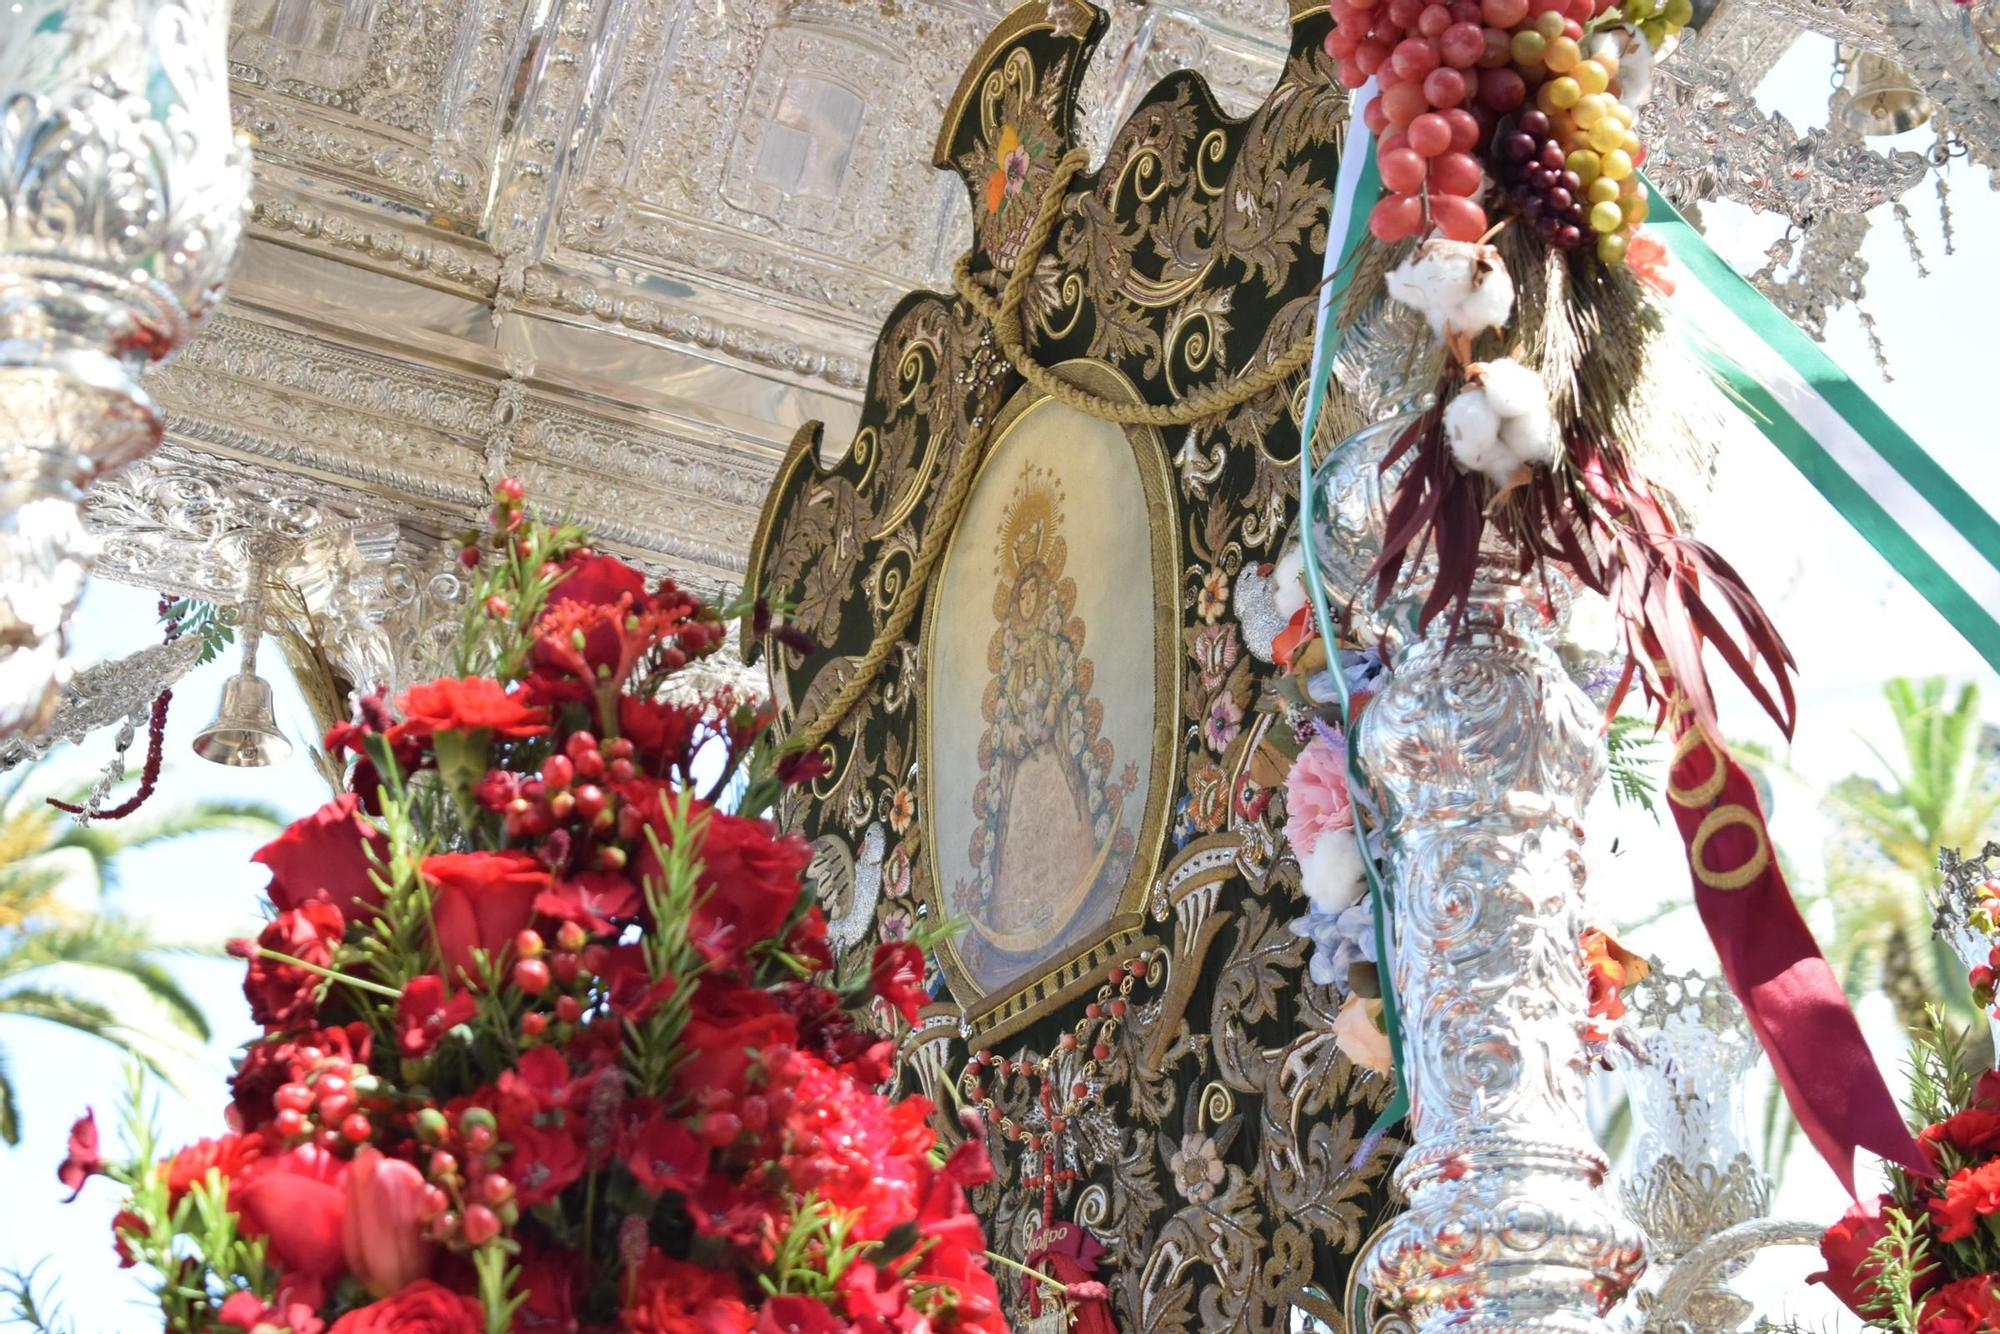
[{"x": 1532, "y": 169}]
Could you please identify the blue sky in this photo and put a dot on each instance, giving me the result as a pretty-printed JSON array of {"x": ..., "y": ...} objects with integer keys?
[{"x": 1850, "y": 622}]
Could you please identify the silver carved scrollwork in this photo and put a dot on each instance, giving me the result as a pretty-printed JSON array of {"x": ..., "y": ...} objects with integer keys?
[
  {"x": 1483, "y": 753},
  {"x": 122, "y": 198}
]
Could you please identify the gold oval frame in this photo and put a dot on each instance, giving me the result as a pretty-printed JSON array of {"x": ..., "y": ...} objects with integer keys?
[{"x": 998, "y": 1009}]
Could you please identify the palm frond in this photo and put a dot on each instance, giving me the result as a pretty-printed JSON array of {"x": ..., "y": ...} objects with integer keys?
[
  {"x": 106, "y": 842},
  {"x": 1633, "y": 762},
  {"x": 113, "y": 945},
  {"x": 10, "y": 1110},
  {"x": 90, "y": 1017}
]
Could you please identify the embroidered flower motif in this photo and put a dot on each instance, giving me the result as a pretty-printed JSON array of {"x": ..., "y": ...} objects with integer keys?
[
  {"x": 1215, "y": 651},
  {"x": 896, "y": 873},
  {"x": 1213, "y": 599},
  {"x": 1224, "y": 721},
  {"x": 1197, "y": 1168},
  {"x": 1010, "y": 170},
  {"x": 902, "y": 809}
]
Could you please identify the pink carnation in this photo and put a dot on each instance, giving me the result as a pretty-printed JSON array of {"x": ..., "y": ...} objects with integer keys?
[{"x": 1316, "y": 794}]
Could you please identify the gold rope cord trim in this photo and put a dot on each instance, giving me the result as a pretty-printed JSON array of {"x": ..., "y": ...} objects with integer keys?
[{"x": 1004, "y": 315}]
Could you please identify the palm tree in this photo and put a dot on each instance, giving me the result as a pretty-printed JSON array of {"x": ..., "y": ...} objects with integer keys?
[
  {"x": 1942, "y": 791},
  {"x": 57, "y": 962}
]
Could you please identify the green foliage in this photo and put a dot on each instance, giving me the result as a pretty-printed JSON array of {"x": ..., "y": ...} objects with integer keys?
[
  {"x": 55, "y": 960},
  {"x": 1634, "y": 762},
  {"x": 41, "y": 1313},
  {"x": 1902, "y": 1261},
  {"x": 202, "y": 619}
]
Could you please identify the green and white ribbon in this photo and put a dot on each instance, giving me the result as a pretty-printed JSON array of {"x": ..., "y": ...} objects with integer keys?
[
  {"x": 1354, "y": 189},
  {"x": 1882, "y": 482}
]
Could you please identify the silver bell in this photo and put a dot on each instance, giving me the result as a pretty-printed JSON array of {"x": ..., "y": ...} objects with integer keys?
[{"x": 245, "y": 732}]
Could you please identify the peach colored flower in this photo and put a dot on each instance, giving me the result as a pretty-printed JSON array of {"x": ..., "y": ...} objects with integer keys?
[{"x": 1357, "y": 1031}]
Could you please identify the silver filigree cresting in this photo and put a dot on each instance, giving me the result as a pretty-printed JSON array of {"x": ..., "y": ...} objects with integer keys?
[
  {"x": 123, "y": 193},
  {"x": 1963, "y": 913},
  {"x": 1483, "y": 753},
  {"x": 1684, "y": 1048}
]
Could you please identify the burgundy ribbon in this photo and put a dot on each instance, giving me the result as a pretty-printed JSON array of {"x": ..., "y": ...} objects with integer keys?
[{"x": 1774, "y": 966}]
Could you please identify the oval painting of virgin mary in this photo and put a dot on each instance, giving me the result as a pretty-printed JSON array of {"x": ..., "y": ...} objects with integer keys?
[{"x": 1049, "y": 701}]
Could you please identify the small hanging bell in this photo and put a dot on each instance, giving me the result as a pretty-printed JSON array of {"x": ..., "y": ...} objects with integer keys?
[
  {"x": 245, "y": 732},
  {"x": 1882, "y": 98}
]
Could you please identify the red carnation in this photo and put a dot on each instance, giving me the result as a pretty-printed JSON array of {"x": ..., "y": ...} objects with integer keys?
[
  {"x": 1969, "y": 1196},
  {"x": 327, "y": 856},
  {"x": 1975, "y": 1133},
  {"x": 471, "y": 704},
  {"x": 229, "y": 1157},
  {"x": 1969, "y": 1306},
  {"x": 424, "y": 1015},
  {"x": 661, "y": 732},
  {"x": 422, "y": 1308},
  {"x": 897, "y": 977},
  {"x": 84, "y": 1160},
  {"x": 283, "y": 995},
  {"x": 482, "y": 901},
  {"x": 1849, "y": 1274},
  {"x": 672, "y": 1297}
]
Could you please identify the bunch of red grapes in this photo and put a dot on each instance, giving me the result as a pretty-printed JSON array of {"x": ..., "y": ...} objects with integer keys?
[{"x": 1448, "y": 72}]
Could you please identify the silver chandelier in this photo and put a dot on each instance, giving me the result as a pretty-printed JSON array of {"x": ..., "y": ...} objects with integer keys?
[{"x": 123, "y": 193}]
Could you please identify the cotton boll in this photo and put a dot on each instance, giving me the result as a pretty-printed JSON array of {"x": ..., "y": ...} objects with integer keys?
[
  {"x": 1531, "y": 437},
  {"x": 1331, "y": 873},
  {"x": 1491, "y": 301},
  {"x": 1288, "y": 583},
  {"x": 1512, "y": 388},
  {"x": 1635, "y": 70},
  {"x": 1471, "y": 428},
  {"x": 1436, "y": 279}
]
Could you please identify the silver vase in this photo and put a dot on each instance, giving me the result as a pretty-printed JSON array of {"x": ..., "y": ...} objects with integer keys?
[
  {"x": 1483, "y": 753},
  {"x": 123, "y": 192}
]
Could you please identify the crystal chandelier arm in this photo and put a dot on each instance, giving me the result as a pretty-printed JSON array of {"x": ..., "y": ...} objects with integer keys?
[{"x": 1710, "y": 1262}]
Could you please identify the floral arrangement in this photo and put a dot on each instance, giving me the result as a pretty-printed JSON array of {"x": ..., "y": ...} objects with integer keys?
[
  {"x": 1923, "y": 1257},
  {"x": 552, "y": 1039}
]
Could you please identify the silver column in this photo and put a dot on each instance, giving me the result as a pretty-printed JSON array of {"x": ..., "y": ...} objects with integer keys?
[
  {"x": 122, "y": 197},
  {"x": 1483, "y": 753}
]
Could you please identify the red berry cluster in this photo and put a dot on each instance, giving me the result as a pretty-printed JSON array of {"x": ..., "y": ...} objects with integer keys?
[
  {"x": 467, "y": 1199},
  {"x": 330, "y": 1102},
  {"x": 1447, "y": 73},
  {"x": 570, "y": 794}
]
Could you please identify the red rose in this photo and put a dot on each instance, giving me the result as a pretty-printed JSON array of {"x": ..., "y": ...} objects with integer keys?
[
  {"x": 482, "y": 901},
  {"x": 424, "y": 1016},
  {"x": 671, "y": 1297},
  {"x": 729, "y": 1022},
  {"x": 749, "y": 879},
  {"x": 590, "y": 577},
  {"x": 84, "y": 1160},
  {"x": 1969, "y": 1306},
  {"x": 283, "y": 995},
  {"x": 1969, "y": 1196},
  {"x": 897, "y": 977},
  {"x": 326, "y": 857},
  {"x": 797, "y": 1315},
  {"x": 299, "y": 1200},
  {"x": 422, "y": 1308},
  {"x": 473, "y": 704}
]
